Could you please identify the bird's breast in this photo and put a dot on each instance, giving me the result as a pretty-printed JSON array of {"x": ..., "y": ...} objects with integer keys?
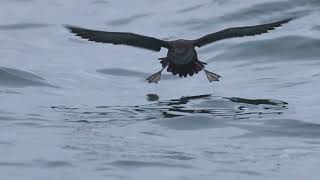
[{"x": 183, "y": 58}]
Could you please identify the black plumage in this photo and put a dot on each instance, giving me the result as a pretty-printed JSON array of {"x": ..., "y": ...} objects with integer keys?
[{"x": 182, "y": 57}]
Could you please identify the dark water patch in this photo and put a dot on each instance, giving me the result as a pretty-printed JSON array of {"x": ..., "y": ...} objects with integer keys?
[
  {"x": 53, "y": 164},
  {"x": 72, "y": 147},
  {"x": 191, "y": 8},
  {"x": 19, "y": 78},
  {"x": 213, "y": 153},
  {"x": 316, "y": 75},
  {"x": 9, "y": 118},
  {"x": 185, "y": 99},
  {"x": 234, "y": 108},
  {"x": 152, "y": 134},
  {"x": 28, "y": 124},
  {"x": 87, "y": 121},
  {"x": 246, "y": 172},
  {"x": 127, "y": 20},
  {"x": 145, "y": 164},
  {"x": 175, "y": 155},
  {"x": 281, "y": 48},
  {"x": 317, "y": 28},
  {"x": 34, "y": 115},
  {"x": 63, "y": 108},
  {"x": 14, "y": 164},
  {"x": 197, "y": 112},
  {"x": 23, "y": 26},
  {"x": 131, "y": 73},
  {"x": 258, "y": 101},
  {"x": 152, "y": 97},
  {"x": 5, "y": 143}
]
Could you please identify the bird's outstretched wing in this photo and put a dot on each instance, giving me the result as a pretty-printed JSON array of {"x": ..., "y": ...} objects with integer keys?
[
  {"x": 129, "y": 39},
  {"x": 238, "y": 32}
]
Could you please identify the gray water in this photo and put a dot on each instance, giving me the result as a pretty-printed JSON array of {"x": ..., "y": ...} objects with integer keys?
[{"x": 72, "y": 109}]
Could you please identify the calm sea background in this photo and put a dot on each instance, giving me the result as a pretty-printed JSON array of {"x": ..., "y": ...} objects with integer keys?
[{"x": 73, "y": 109}]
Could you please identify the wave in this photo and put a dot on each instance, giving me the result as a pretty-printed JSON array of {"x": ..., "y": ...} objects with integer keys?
[
  {"x": 19, "y": 78},
  {"x": 127, "y": 20},
  {"x": 22, "y": 26},
  {"x": 281, "y": 48}
]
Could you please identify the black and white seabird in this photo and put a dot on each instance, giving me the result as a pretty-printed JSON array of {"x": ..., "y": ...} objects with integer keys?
[{"x": 182, "y": 56}]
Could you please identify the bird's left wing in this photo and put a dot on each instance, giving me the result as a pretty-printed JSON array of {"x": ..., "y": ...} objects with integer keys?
[
  {"x": 238, "y": 32},
  {"x": 116, "y": 38}
]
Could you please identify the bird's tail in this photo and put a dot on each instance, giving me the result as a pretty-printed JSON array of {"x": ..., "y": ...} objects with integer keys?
[{"x": 183, "y": 70}]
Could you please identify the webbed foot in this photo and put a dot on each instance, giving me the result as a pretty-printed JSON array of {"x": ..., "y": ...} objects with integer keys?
[
  {"x": 155, "y": 78},
  {"x": 212, "y": 76}
]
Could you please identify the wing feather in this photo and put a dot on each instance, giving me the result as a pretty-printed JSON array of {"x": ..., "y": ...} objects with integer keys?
[
  {"x": 121, "y": 38},
  {"x": 238, "y": 32}
]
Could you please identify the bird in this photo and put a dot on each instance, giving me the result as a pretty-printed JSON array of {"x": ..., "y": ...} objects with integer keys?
[{"x": 182, "y": 58}]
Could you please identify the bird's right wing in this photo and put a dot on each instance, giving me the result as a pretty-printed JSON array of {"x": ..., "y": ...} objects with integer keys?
[
  {"x": 116, "y": 38},
  {"x": 238, "y": 32}
]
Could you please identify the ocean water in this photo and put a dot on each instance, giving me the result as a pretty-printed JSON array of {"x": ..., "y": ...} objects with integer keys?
[{"x": 73, "y": 109}]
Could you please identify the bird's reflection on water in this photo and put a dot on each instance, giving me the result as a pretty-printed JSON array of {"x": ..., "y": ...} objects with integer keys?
[
  {"x": 205, "y": 105},
  {"x": 220, "y": 106}
]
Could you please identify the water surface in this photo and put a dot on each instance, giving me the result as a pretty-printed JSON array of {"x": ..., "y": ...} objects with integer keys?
[{"x": 72, "y": 109}]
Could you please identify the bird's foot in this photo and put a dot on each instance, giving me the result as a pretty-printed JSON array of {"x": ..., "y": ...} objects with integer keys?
[
  {"x": 154, "y": 78},
  {"x": 212, "y": 76}
]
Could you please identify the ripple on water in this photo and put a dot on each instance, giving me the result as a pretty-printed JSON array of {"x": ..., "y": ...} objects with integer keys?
[
  {"x": 53, "y": 163},
  {"x": 22, "y": 26},
  {"x": 282, "y": 128},
  {"x": 260, "y": 10},
  {"x": 145, "y": 164},
  {"x": 14, "y": 164},
  {"x": 202, "y": 111},
  {"x": 127, "y": 20},
  {"x": 287, "y": 48},
  {"x": 190, "y": 8},
  {"x": 19, "y": 78},
  {"x": 284, "y": 9}
]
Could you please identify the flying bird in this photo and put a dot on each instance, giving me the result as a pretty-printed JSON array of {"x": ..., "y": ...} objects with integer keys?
[{"x": 182, "y": 58}]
